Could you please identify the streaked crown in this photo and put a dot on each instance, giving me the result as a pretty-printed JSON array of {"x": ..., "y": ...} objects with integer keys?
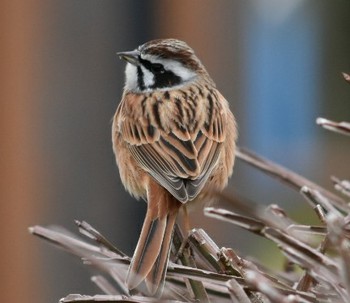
[{"x": 162, "y": 64}]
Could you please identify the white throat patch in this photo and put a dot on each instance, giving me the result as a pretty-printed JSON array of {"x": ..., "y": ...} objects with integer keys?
[{"x": 131, "y": 77}]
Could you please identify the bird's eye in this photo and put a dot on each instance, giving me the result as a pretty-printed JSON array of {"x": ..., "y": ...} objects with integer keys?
[{"x": 158, "y": 68}]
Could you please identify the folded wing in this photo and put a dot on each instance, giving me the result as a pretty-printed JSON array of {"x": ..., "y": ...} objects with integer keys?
[{"x": 179, "y": 159}]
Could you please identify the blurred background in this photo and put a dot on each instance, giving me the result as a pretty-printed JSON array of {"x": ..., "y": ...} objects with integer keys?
[{"x": 278, "y": 63}]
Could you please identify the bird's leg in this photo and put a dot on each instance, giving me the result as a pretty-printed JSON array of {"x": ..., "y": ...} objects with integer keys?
[
  {"x": 183, "y": 233},
  {"x": 186, "y": 220},
  {"x": 180, "y": 243}
]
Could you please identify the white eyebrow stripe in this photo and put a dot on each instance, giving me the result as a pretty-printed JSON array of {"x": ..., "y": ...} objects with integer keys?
[{"x": 176, "y": 67}]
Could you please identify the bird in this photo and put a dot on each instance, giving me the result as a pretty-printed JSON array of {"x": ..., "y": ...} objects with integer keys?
[{"x": 174, "y": 138}]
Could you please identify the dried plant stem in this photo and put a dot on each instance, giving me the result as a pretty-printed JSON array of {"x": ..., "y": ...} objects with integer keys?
[{"x": 287, "y": 176}]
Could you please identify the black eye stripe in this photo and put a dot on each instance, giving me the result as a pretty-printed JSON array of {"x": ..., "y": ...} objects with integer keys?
[
  {"x": 162, "y": 78},
  {"x": 158, "y": 68},
  {"x": 152, "y": 67},
  {"x": 166, "y": 79}
]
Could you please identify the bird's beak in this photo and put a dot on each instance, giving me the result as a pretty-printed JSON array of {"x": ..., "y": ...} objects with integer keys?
[{"x": 132, "y": 57}]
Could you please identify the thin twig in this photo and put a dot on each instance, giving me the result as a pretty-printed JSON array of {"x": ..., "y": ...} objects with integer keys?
[
  {"x": 287, "y": 176},
  {"x": 186, "y": 259}
]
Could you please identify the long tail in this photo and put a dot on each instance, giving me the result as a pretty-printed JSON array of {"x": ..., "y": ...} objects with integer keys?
[{"x": 151, "y": 255}]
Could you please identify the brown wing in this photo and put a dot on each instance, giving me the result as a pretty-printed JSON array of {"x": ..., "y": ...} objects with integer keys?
[{"x": 178, "y": 157}]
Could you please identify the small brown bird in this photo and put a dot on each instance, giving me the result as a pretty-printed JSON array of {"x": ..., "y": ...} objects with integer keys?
[{"x": 174, "y": 141}]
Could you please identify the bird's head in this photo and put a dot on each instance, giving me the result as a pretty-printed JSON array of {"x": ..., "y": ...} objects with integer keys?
[{"x": 161, "y": 64}]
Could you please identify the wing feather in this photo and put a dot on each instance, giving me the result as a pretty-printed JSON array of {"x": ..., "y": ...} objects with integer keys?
[{"x": 178, "y": 159}]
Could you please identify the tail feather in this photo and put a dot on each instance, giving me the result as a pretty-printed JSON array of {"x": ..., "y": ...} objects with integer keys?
[
  {"x": 151, "y": 255},
  {"x": 156, "y": 276},
  {"x": 146, "y": 251}
]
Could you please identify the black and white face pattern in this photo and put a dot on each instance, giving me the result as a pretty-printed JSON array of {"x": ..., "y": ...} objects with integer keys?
[{"x": 156, "y": 73}]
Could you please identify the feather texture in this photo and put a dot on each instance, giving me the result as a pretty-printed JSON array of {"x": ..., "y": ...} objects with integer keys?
[{"x": 184, "y": 145}]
